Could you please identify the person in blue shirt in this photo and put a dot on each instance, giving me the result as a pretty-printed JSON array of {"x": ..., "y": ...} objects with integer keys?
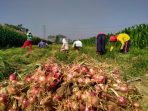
[{"x": 41, "y": 44}]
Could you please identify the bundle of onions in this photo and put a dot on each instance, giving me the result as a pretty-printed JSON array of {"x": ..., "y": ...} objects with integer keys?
[
  {"x": 12, "y": 77},
  {"x": 11, "y": 90},
  {"x": 32, "y": 99},
  {"x": 78, "y": 94},
  {"x": 25, "y": 103},
  {"x": 57, "y": 75},
  {"x": 77, "y": 88},
  {"x": 42, "y": 79},
  {"x": 123, "y": 88},
  {"x": 84, "y": 70},
  {"x": 69, "y": 77},
  {"x": 34, "y": 90},
  {"x": 3, "y": 98},
  {"x": 122, "y": 101},
  {"x": 100, "y": 79},
  {"x": 56, "y": 98},
  {"x": 87, "y": 81},
  {"x": 47, "y": 67},
  {"x": 55, "y": 69},
  {"x": 80, "y": 80},
  {"x": 28, "y": 78},
  {"x": 91, "y": 72},
  {"x": 110, "y": 107}
]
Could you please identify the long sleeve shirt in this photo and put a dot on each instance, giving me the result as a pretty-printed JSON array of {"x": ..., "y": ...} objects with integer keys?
[
  {"x": 65, "y": 44},
  {"x": 77, "y": 43},
  {"x": 64, "y": 41},
  {"x": 123, "y": 38}
]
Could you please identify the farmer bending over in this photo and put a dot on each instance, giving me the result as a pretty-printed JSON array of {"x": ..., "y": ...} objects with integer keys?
[
  {"x": 77, "y": 44},
  {"x": 42, "y": 44},
  {"x": 124, "y": 39}
]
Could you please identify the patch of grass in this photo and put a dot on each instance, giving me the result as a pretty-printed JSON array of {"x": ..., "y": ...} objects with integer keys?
[
  {"x": 138, "y": 67},
  {"x": 17, "y": 58},
  {"x": 66, "y": 57},
  {"x": 132, "y": 64},
  {"x": 61, "y": 56}
]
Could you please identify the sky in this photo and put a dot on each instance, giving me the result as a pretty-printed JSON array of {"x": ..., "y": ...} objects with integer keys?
[{"x": 75, "y": 19}]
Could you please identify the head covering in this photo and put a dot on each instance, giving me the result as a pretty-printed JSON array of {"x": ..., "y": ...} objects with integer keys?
[
  {"x": 113, "y": 38},
  {"x": 100, "y": 33}
]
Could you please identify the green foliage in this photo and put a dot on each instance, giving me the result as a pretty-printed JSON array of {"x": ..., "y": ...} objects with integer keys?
[
  {"x": 10, "y": 37},
  {"x": 133, "y": 64},
  {"x": 5, "y": 68},
  {"x": 17, "y": 27},
  {"x": 18, "y": 59},
  {"x": 89, "y": 42},
  {"x": 137, "y": 33},
  {"x": 138, "y": 62},
  {"x": 66, "y": 57}
]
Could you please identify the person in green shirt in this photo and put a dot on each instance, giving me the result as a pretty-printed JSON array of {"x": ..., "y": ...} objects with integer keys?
[{"x": 28, "y": 42}]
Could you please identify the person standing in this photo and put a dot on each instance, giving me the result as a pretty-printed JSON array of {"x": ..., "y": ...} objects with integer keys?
[
  {"x": 28, "y": 42},
  {"x": 77, "y": 44},
  {"x": 64, "y": 45},
  {"x": 100, "y": 43},
  {"x": 124, "y": 39}
]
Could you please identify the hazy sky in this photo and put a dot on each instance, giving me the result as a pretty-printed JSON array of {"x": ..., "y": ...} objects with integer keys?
[{"x": 74, "y": 18}]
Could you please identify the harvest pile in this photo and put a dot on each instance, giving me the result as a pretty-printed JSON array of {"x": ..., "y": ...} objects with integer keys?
[{"x": 77, "y": 87}]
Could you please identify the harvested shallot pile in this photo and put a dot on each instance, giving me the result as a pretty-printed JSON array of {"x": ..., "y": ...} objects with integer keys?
[{"x": 77, "y": 87}]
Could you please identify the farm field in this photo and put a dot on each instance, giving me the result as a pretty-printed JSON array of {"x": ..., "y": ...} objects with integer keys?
[
  {"x": 132, "y": 66},
  {"x": 62, "y": 55}
]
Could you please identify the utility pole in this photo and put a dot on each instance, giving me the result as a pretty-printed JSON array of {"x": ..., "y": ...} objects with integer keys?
[{"x": 44, "y": 31}]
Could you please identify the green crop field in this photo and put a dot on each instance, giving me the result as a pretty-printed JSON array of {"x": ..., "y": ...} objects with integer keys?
[{"x": 134, "y": 63}]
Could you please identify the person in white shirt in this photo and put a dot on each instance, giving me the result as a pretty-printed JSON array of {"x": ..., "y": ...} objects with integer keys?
[
  {"x": 64, "y": 45},
  {"x": 77, "y": 44}
]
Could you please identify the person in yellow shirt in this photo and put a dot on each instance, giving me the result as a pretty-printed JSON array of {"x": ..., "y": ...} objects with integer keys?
[{"x": 124, "y": 39}]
